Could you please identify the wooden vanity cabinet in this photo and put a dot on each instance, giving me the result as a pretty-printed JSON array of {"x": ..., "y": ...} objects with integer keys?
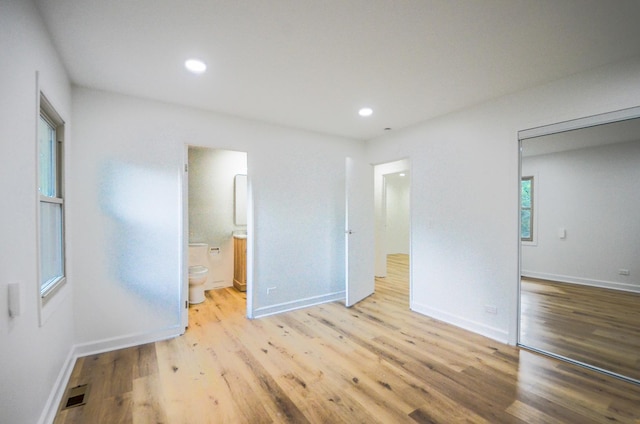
[{"x": 240, "y": 263}]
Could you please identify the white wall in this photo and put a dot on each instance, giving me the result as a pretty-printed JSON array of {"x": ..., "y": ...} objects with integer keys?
[
  {"x": 397, "y": 200},
  {"x": 592, "y": 194},
  {"x": 126, "y": 180},
  {"x": 465, "y": 188},
  {"x": 32, "y": 355},
  {"x": 129, "y": 156},
  {"x": 211, "y": 207}
]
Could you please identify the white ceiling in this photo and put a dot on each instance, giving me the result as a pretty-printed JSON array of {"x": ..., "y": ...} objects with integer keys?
[{"x": 312, "y": 63}]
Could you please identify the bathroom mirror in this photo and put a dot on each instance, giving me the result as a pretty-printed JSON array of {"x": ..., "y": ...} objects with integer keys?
[
  {"x": 580, "y": 248},
  {"x": 240, "y": 199}
]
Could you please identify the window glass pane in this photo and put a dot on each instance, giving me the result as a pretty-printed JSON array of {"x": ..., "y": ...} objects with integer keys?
[
  {"x": 526, "y": 203},
  {"x": 526, "y": 194},
  {"x": 51, "y": 262},
  {"x": 525, "y": 226},
  {"x": 47, "y": 149}
]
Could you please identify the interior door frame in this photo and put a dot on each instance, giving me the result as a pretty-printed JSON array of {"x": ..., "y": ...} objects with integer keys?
[
  {"x": 395, "y": 166},
  {"x": 184, "y": 257}
]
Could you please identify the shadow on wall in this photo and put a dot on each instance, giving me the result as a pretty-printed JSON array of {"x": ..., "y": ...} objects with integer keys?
[{"x": 142, "y": 235}]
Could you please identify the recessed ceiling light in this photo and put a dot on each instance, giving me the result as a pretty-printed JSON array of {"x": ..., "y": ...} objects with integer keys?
[
  {"x": 365, "y": 111},
  {"x": 402, "y": 174},
  {"x": 195, "y": 65}
]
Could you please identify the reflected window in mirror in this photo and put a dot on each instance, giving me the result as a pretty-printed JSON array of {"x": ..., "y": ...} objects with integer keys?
[{"x": 526, "y": 208}]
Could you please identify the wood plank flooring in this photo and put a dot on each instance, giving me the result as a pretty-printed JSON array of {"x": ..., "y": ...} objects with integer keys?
[
  {"x": 376, "y": 362},
  {"x": 597, "y": 326}
]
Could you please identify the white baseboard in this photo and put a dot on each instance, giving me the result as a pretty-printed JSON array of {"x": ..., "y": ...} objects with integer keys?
[
  {"x": 298, "y": 304},
  {"x": 614, "y": 285},
  {"x": 84, "y": 349},
  {"x": 114, "y": 343},
  {"x": 51, "y": 406},
  {"x": 218, "y": 284},
  {"x": 476, "y": 327}
]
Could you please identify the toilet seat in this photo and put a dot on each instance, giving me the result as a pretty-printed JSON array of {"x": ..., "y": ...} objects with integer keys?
[{"x": 197, "y": 270}]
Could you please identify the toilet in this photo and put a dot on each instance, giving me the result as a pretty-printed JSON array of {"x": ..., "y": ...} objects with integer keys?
[
  {"x": 198, "y": 272},
  {"x": 197, "y": 278}
]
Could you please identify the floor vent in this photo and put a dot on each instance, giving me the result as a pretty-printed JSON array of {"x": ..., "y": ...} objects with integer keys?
[{"x": 76, "y": 396}]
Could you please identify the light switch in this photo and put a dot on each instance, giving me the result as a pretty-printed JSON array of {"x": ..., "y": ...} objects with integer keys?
[{"x": 562, "y": 233}]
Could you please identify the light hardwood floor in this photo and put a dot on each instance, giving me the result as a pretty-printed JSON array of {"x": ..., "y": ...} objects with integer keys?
[
  {"x": 593, "y": 325},
  {"x": 376, "y": 362}
]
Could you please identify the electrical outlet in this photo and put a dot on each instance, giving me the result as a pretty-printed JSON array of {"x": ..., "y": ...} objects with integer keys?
[
  {"x": 490, "y": 309},
  {"x": 623, "y": 271},
  {"x": 270, "y": 289}
]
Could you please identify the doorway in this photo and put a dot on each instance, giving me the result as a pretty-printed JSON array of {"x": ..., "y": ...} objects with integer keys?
[
  {"x": 215, "y": 213},
  {"x": 392, "y": 188}
]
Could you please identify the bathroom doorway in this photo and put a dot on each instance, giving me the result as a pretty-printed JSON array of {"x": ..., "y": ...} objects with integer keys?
[
  {"x": 215, "y": 214},
  {"x": 392, "y": 187}
]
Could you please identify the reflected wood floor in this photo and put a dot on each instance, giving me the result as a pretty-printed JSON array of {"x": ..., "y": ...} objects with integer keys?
[
  {"x": 597, "y": 326},
  {"x": 376, "y": 362}
]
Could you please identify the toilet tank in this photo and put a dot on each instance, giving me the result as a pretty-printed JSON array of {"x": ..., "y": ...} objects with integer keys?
[{"x": 198, "y": 254}]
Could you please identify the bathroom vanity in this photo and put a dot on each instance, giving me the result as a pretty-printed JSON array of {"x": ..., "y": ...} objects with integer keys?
[{"x": 240, "y": 262}]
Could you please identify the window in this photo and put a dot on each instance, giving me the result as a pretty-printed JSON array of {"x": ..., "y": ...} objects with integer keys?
[
  {"x": 51, "y": 200},
  {"x": 526, "y": 209}
]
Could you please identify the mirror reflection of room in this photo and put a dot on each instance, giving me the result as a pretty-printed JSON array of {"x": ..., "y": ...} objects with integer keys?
[{"x": 580, "y": 286}]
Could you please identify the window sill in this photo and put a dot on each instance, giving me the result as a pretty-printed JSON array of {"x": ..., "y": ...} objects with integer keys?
[{"x": 53, "y": 300}]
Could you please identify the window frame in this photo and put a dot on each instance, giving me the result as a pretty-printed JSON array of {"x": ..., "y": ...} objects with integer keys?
[
  {"x": 531, "y": 179},
  {"x": 47, "y": 112}
]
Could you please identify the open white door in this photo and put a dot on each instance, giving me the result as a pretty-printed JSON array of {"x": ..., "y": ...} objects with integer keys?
[
  {"x": 184, "y": 260},
  {"x": 359, "y": 231}
]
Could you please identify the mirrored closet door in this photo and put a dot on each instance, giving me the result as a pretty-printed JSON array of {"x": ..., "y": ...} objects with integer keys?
[{"x": 580, "y": 248}]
